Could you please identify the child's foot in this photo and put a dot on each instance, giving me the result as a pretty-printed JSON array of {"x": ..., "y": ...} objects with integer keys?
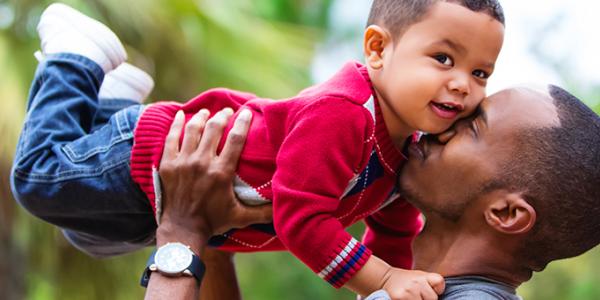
[
  {"x": 63, "y": 29},
  {"x": 126, "y": 82}
]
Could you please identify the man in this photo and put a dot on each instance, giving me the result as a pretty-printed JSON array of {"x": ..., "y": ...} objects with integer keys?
[{"x": 506, "y": 191}]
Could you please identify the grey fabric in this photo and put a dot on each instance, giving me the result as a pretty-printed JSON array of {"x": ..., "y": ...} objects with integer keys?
[
  {"x": 476, "y": 287},
  {"x": 467, "y": 287}
]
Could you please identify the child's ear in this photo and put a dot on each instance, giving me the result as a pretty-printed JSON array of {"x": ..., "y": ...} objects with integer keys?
[
  {"x": 375, "y": 41},
  {"x": 510, "y": 213}
]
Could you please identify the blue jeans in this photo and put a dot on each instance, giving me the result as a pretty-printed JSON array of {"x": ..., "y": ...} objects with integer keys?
[{"x": 71, "y": 166}]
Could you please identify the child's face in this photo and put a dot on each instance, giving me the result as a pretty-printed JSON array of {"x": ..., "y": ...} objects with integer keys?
[{"x": 436, "y": 72}]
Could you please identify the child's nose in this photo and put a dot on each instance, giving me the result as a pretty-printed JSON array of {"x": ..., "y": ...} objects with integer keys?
[{"x": 460, "y": 84}]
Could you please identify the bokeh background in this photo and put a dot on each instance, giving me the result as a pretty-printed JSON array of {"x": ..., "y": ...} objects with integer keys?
[{"x": 273, "y": 48}]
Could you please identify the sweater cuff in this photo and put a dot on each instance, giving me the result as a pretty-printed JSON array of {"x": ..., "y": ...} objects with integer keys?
[
  {"x": 149, "y": 140},
  {"x": 350, "y": 257}
]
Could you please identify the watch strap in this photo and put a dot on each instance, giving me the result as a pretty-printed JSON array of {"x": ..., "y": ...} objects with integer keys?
[{"x": 196, "y": 267}]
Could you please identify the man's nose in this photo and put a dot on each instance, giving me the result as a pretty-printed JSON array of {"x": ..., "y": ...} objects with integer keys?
[
  {"x": 460, "y": 84},
  {"x": 446, "y": 136}
]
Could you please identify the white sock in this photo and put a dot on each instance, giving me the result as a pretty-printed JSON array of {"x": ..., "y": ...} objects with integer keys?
[
  {"x": 63, "y": 29},
  {"x": 126, "y": 82}
]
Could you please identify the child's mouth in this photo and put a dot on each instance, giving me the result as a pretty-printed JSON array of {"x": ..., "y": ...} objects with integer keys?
[{"x": 446, "y": 110}]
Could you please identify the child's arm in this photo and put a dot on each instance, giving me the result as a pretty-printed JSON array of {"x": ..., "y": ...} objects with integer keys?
[
  {"x": 390, "y": 232},
  {"x": 321, "y": 152},
  {"x": 399, "y": 283}
]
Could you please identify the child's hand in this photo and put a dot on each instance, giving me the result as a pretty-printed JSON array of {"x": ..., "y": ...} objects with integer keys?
[{"x": 407, "y": 284}]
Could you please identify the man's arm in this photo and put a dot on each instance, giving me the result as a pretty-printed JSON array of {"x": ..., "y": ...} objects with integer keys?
[
  {"x": 220, "y": 281},
  {"x": 198, "y": 192}
]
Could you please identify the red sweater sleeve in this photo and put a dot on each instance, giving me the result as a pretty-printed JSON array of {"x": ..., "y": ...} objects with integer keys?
[
  {"x": 390, "y": 232},
  {"x": 321, "y": 152}
]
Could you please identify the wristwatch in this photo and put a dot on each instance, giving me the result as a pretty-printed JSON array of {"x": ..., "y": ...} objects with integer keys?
[{"x": 174, "y": 260}]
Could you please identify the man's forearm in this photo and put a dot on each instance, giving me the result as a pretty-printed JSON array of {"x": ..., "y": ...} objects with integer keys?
[
  {"x": 220, "y": 281},
  {"x": 162, "y": 287},
  {"x": 182, "y": 287}
]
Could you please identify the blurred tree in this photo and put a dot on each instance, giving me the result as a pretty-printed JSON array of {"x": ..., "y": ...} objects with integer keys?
[{"x": 264, "y": 47}]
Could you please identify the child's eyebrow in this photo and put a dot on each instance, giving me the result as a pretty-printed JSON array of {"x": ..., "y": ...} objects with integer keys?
[{"x": 450, "y": 44}]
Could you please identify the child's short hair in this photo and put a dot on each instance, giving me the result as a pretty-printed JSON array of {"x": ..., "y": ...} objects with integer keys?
[{"x": 398, "y": 15}]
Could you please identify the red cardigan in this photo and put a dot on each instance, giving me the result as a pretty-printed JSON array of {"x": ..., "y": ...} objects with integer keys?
[{"x": 325, "y": 160}]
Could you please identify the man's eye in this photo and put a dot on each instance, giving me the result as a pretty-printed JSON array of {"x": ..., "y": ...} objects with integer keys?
[
  {"x": 444, "y": 59},
  {"x": 481, "y": 74}
]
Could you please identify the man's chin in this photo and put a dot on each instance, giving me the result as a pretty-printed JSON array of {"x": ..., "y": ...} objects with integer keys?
[{"x": 411, "y": 195}]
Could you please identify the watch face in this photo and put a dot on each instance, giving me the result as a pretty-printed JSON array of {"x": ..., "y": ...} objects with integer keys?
[{"x": 173, "y": 258}]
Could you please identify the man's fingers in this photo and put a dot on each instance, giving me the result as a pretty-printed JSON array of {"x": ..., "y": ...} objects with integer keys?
[
  {"x": 235, "y": 141},
  {"x": 213, "y": 131},
  {"x": 193, "y": 130},
  {"x": 172, "y": 141},
  {"x": 261, "y": 214},
  {"x": 437, "y": 282}
]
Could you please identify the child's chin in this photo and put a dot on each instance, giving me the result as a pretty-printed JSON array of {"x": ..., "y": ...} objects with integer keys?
[{"x": 435, "y": 129}]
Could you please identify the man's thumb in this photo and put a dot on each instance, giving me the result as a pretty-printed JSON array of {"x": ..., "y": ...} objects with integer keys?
[{"x": 256, "y": 214}]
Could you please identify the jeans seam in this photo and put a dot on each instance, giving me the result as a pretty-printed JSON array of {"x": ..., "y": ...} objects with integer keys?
[
  {"x": 121, "y": 117},
  {"x": 68, "y": 150},
  {"x": 124, "y": 135},
  {"x": 32, "y": 177}
]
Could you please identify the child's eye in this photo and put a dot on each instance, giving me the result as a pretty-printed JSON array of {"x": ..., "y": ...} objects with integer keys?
[
  {"x": 481, "y": 74},
  {"x": 444, "y": 59}
]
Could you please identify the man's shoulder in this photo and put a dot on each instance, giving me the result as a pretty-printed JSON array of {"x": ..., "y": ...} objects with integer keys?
[
  {"x": 476, "y": 287},
  {"x": 479, "y": 294}
]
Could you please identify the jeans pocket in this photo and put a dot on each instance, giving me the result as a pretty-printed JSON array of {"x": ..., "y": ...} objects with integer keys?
[{"x": 103, "y": 141}]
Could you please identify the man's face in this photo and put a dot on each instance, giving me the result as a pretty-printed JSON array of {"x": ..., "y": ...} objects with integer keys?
[
  {"x": 436, "y": 72},
  {"x": 442, "y": 177}
]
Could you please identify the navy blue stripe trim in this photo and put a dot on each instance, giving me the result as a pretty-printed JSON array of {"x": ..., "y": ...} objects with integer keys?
[
  {"x": 334, "y": 279},
  {"x": 265, "y": 228},
  {"x": 219, "y": 240}
]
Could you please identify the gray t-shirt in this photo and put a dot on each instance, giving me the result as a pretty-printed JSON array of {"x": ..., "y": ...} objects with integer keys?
[
  {"x": 468, "y": 287},
  {"x": 477, "y": 287}
]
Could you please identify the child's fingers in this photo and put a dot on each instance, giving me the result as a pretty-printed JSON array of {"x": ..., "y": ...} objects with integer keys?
[
  {"x": 235, "y": 141},
  {"x": 213, "y": 131},
  {"x": 437, "y": 282},
  {"x": 427, "y": 293},
  {"x": 193, "y": 131},
  {"x": 172, "y": 141}
]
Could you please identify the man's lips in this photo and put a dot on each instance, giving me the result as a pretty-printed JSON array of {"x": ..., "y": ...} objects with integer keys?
[{"x": 446, "y": 110}]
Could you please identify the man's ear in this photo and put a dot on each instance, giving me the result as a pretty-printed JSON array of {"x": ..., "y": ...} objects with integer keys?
[
  {"x": 375, "y": 41},
  {"x": 510, "y": 213}
]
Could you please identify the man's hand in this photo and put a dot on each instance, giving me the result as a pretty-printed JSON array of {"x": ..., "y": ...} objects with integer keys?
[
  {"x": 198, "y": 198},
  {"x": 198, "y": 193},
  {"x": 408, "y": 284}
]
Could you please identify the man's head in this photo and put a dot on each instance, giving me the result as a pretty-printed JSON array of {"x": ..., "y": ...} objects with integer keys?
[
  {"x": 429, "y": 60},
  {"x": 525, "y": 166}
]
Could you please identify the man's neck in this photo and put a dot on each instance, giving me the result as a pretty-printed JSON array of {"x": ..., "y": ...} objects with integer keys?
[{"x": 449, "y": 249}]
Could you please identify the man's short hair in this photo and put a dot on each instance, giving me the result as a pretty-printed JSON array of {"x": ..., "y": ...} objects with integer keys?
[
  {"x": 397, "y": 15},
  {"x": 558, "y": 171}
]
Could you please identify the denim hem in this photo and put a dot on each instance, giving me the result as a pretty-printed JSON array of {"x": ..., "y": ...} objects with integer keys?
[{"x": 83, "y": 61}]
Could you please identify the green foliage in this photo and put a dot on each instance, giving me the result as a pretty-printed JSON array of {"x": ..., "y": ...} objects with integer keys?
[
  {"x": 188, "y": 46},
  {"x": 262, "y": 46}
]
